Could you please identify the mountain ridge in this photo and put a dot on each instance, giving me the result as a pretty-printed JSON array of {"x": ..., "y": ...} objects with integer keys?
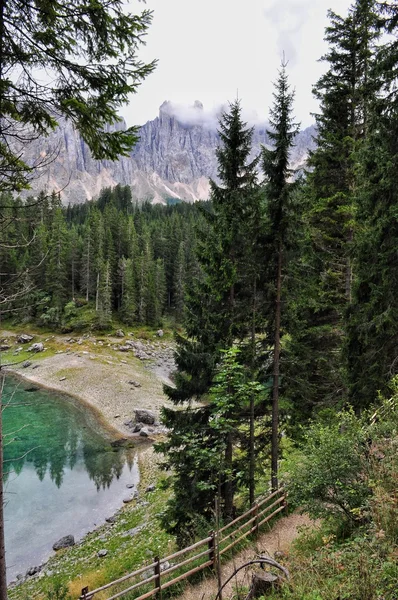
[{"x": 174, "y": 158}]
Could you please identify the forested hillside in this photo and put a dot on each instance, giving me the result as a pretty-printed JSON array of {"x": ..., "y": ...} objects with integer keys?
[{"x": 77, "y": 267}]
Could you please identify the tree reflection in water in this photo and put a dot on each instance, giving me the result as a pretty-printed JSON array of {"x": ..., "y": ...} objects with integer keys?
[{"x": 53, "y": 433}]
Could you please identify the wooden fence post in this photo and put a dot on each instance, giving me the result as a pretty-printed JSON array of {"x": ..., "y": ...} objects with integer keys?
[
  {"x": 256, "y": 519},
  {"x": 157, "y": 579},
  {"x": 212, "y": 549},
  {"x": 217, "y": 561},
  {"x": 84, "y": 593},
  {"x": 286, "y": 504}
]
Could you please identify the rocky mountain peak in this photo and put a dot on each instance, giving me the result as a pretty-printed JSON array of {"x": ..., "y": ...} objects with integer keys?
[{"x": 174, "y": 158}]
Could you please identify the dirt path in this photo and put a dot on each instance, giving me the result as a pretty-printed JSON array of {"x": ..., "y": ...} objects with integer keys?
[{"x": 279, "y": 538}]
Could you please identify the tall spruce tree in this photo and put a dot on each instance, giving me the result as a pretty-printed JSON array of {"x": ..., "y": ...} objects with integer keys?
[
  {"x": 56, "y": 268},
  {"x": 104, "y": 296},
  {"x": 218, "y": 314},
  {"x": 179, "y": 282},
  {"x": 317, "y": 368},
  {"x": 127, "y": 291},
  {"x": 372, "y": 345},
  {"x": 275, "y": 163}
]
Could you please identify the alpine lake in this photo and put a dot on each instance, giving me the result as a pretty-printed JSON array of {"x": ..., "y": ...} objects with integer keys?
[{"x": 62, "y": 476}]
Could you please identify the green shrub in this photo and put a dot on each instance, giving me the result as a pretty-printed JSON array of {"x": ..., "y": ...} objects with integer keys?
[
  {"x": 70, "y": 310},
  {"x": 329, "y": 476},
  {"x": 51, "y": 318},
  {"x": 57, "y": 591}
]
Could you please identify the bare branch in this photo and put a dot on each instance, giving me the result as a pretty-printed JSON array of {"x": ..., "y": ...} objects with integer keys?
[{"x": 7, "y": 460}]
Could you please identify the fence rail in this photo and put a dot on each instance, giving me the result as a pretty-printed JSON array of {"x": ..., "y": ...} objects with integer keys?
[{"x": 216, "y": 544}]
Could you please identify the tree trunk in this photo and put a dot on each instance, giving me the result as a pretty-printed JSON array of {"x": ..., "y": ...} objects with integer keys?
[
  {"x": 348, "y": 276},
  {"x": 97, "y": 293},
  {"x": 251, "y": 453},
  {"x": 275, "y": 390},
  {"x": 228, "y": 487},
  {"x": 73, "y": 278},
  {"x": 252, "y": 462},
  {"x": 3, "y": 581},
  {"x": 262, "y": 585},
  {"x": 88, "y": 271}
]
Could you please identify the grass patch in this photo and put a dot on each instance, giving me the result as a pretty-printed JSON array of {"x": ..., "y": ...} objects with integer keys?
[
  {"x": 8, "y": 357},
  {"x": 361, "y": 568},
  {"x": 84, "y": 320}
]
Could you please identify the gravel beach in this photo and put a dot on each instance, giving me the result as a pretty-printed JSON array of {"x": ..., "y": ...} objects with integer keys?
[{"x": 111, "y": 382}]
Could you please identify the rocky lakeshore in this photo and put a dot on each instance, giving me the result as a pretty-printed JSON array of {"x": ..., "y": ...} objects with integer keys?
[{"x": 120, "y": 378}]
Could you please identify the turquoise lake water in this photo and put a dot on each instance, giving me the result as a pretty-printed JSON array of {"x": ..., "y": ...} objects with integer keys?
[{"x": 62, "y": 475}]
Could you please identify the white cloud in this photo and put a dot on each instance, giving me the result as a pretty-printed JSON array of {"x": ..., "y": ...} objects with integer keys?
[{"x": 216, "y": 50}]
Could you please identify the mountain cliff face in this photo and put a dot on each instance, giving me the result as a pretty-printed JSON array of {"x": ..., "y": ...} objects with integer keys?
[{"x": 174, "y": 158}]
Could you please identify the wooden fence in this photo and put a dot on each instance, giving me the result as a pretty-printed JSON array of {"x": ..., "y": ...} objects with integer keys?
[{"x": 206, "y": 553}]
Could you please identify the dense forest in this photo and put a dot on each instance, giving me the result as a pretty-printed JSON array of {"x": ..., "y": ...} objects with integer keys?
[
  {"x": 284, "y": 286},
  {"x": 108, "y": 256},
  {"x": 294, "y": 314}
]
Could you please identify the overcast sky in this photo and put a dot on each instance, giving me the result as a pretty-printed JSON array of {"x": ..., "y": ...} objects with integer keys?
[{"x": 214, "y": 50}]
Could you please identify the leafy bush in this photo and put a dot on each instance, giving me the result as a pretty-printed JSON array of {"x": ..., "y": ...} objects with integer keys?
[
  {"x": 70, "y": 310},
  {"x": 347, "y": 467},
  {"x": 329, "y": 476},
  {"x": 51, "y": 318}
]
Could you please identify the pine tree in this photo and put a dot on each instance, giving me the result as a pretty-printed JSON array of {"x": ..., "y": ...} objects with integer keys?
[
  {"x": 372, "y": 345},
  {"x": 145, "y": 300},
  {"x": 112, "y": 245},
  {"x": 179, "y": 283},
  {"x": 86, "y": 263},
  {"x": 90, "y": 53},
  {"x": 104, "y": 296},
  {"x": 38, "y": 255},
  {"x": 160, "y": 289},
  {"x": 205, "y": 435},
  {"x": 128, "y": 292},
  {"x": 74, "y": 254},
  {"x": 56, "y": 269},
  {"x": 275, "y": 165},
  {"x": 218, "y": 314},
  {"x": 317, "y": 369},
  {"x": 97, "y": 241},
  {"x": 217, "y": 303}
]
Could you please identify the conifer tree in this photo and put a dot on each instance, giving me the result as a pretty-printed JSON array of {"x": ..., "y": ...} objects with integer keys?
[
  {"x": 217, "y": 315},
  {"x": 217, "y": 304},
  {"x": 144, "y": 280},
  {"x": 316, "y": 366},
  {"x": 128, "y": 291},
  {"x": 372, "y": 345},
  {"x": 275, "y": 163},
  {"x": 179, "y": 283},
  {"x": 160, "y": 289},
  {"x": 97, "y": 238},
  {"x": 86, "y": 263},
  {"x": 56, "y": 269},
  {"x": 37, "y": 256},
  {"x": 104, "y": 296},
  {"x": 90, "y": 53},
  {"x": 73, "y": 261}
]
